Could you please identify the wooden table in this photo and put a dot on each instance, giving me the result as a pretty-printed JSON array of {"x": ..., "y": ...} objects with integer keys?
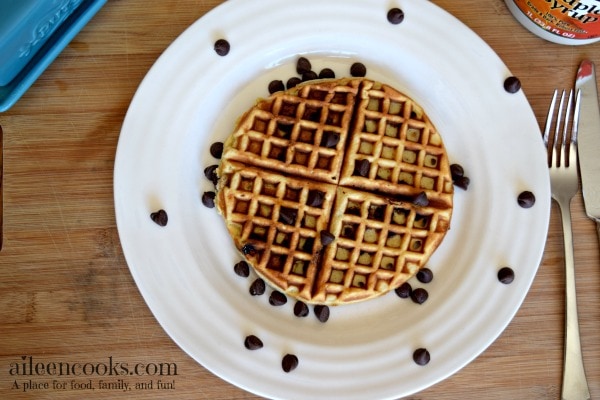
[{"x": 66, "y": 292}]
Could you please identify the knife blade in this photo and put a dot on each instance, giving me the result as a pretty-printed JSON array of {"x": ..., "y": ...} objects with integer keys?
[{"x": 588, "y": 137}]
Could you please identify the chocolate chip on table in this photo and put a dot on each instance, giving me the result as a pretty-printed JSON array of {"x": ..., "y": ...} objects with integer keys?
[
  {"x": 300, "y": 309},
  {"x": 303, "y": 65},
  {"x": 292, "y": 82},
  {"x": 289, "y": 362},
  {"x": 526, "y": 199},
  {"x": 326, "y": 73},
  {"x": 421, "y": 356},
  {"x": 216, "y": 149},
  {"x": 277, "y": 298},
  {"x": 258, "y": 287},
  {"x": 253, "y": 343},
  {"x": 404, "y": 291},
  {"x": 362, "y": 167},
  {"x": 208, "y": 199},
  {"x": 326, "y": 238},
  {"x": 512, "y": 84},
  {"x": 222, "y": 47},
  {"x": 276, "y": 86},
  {"x": 242, "y": 269},
  {"x": 358, "y": 69},
  {"x": 421, "y": 200},
  {"x": 248, "y": 249},
  {"x": 506, "y": 275},
  {"x": 425, "y": 275},
  {"x": 322, "y": 312},
  {"x": 210, "y": 173},
  {"x": 395, "y": 16},
  {"x": 419, "y": 295},
  {"x": 461, "y": 182},
  {"x": 160, "y": 217}
]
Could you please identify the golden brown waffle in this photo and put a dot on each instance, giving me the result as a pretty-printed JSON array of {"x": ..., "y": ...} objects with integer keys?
[{"x": 336, "y": 231}]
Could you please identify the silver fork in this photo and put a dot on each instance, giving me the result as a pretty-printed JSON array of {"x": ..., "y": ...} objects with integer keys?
[{"x": 564, "y": 180}]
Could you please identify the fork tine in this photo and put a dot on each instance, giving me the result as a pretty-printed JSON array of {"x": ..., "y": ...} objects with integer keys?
[
  {"x": 564, "y": 153},
  {"x": 548, "y": 125},
  {"x": 558, "y": 152},
  {"x": 575, "y": 130}
]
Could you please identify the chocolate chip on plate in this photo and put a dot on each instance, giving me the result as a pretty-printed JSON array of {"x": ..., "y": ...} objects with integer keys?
[
  {"x": 425, "y": 275},
  {"x": 512, "y": 84},
  {"x": 258, "y": 287},
  {"x": 293, "y": 82},
  {"x": 289, "y": 362},
  {"x": 404, "y": 291},
  {"x": 222, "y": 47},
  {"x": 210, "y": 173},
  {"x": 421, "y": 356},
  {"x": 326, "y": 73},
  {"x": 322, "y": 312},
  {"x": 419, "y": 295},
  {"x": 160, "y": 217},
  {"x": 358, "y": 69},
  {"x": 506, "y": 275},
  {"x": 462, "y": 182},
  {"x": 526, "y": 199},
  {"x": 326, "y": 238},
  {"x": 242, "y": 269},
  {"x": 277, "y": 298},
  {"x": 276, "y": 86},
  {"x": 216, "y": 149},
  {"x": 303, "y": 65},
  {"x": 300, "y": 309},
  {"x": 309, "y": 76},
  {"x": 208, "y": 199},
  {"x": 456, "y": 170},
  {"x": 395, "y": 16},
  {"x": 253, "y": 343}
]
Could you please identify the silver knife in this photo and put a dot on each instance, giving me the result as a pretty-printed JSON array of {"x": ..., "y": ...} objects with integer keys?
[{"x": 588, "y": 138}]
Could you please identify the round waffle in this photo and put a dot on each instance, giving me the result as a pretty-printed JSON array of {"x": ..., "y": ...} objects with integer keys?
[{"x": 335, "y": 191}]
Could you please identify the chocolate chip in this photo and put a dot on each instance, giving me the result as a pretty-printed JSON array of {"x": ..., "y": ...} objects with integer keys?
[
  {"x": 512, "y": 84},
  {"x": 309, "y": 76},
  {"x": 419, "y": 295},
  {"x": 276, "y": 86},
  {"x": 425, "y": 275},
  {"x": 404, "y": 291},
  {"x": 216, "y": 149},
  {"x": 210, "y": 173},
  {"x": 421, "y": 200},
  {"x": 303, "y": 65},
  {"x": 395, "y": 16},
  {"x": 326, "y": 238},
  {"x": 208, "y": 199},
  {"x": 462, "y": 182},
  {"x": 292, "y": 82},
  {"x": 288, "y": 216},
  {"x": 253, "y": 343},
  {"x": 326, "y": 73},
  {"x": 277, "y": 298},
  {"x": 222, "y": 47},
  {"x": 457, "y": 171},
  {"x": 258, "y": 287},
  {"x": 322, "y": 312},
  {"x": 315, "y": 198},
  {"x": 421, "y": 356},
  {"x": 160, "y": 217},
  {"x": 362, "y": 167},
  {"x": 330, "y": 139},
  {"x": 242, "y": 269},
  {"x": 526, "y": 199},
  {"x": 300, "y": 309},
  {"x": 248, "y": 249},
  {"x": 358, "y": 69},
  {"x": 289, "y": 362},
  {"x": 506, "y": 275}
]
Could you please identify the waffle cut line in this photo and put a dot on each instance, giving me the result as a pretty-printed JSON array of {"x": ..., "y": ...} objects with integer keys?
[{"x": 336, "y": 191}]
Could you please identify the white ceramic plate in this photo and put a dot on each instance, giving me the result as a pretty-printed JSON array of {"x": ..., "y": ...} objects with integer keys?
[{"x": 191, "y": 98}]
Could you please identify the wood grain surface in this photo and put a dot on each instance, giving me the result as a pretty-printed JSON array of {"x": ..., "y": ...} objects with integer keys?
[{"x": 66, "y": 293}]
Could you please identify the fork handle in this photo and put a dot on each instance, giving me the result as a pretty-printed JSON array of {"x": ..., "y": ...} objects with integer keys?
[{"x": 574, "y": 385}]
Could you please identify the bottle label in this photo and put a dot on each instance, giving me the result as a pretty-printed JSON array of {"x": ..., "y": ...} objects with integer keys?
[{"x": 571, "y": 19}]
